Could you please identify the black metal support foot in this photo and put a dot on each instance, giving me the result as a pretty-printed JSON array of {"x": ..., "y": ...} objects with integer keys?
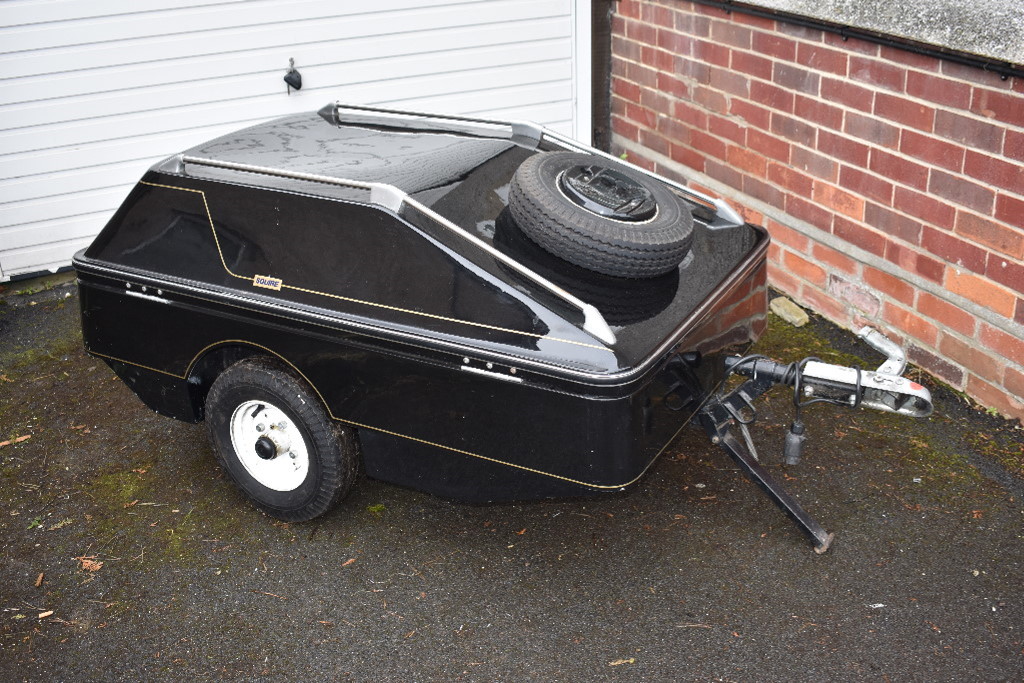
[
  {"x": 716, "y": 421},
  {"x": 737, "y": 450}
]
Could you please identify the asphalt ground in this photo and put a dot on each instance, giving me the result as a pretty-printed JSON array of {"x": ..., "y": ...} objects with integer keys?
[{"x": 127, "y": 555}]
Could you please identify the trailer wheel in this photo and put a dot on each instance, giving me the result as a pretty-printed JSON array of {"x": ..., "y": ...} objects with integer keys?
[
  {"x": 277, "y": 443},
  {"x": 600, "y": 216}
]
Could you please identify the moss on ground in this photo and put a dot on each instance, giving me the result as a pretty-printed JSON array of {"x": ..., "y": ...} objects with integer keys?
[
  {"x": 786, "y": 343},
  {"x": 137, "y": 509},
  {"x": 940, "y": 457}
]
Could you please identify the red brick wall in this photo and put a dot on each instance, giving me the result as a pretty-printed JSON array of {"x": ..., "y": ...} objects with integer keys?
[{"x": 892, "y": 183}]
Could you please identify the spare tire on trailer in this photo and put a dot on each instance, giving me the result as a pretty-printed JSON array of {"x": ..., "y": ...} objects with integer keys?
[{"x": 599, "y": 215}]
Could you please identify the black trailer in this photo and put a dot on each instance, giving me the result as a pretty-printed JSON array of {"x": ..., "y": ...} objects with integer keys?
[{"x": 482, "y": 310}]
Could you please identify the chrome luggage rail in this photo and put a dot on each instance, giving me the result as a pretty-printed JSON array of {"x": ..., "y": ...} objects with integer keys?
[{"x": 524, "y": 132}]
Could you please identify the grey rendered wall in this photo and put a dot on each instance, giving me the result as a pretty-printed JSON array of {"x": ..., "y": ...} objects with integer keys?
[{"x": 992, "y": 28}]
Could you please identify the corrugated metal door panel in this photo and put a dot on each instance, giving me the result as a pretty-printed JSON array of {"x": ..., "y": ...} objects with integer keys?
[
  {"x": 479, "y": 91},
  {"x": 482, "y": 65},
  {"x": 140, "y": 24},
  {"x": 416, "y": 25},
  {"x": 22, "y": 12},
  {"x": 50, "y": 256},
  {"x": 60, "y": 206},
  {"x": 97, "y": 90},
  {"x": 50, "y": 187},
  {"x": 16, "y": 167},
  {"x": 74, "y": 228},
  {"x": 352, "y": 53}
]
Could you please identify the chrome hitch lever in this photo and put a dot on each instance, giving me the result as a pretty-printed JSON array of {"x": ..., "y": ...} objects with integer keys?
[
  {"x": 896, "y": 361},
  {"x": 879, "y": 390}
]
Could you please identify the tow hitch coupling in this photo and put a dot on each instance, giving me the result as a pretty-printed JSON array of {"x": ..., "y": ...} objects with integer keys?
[{"x": 813, "y": 381}]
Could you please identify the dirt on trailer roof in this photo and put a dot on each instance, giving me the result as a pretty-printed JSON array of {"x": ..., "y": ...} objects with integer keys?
[{"x": 128, "y": 554}]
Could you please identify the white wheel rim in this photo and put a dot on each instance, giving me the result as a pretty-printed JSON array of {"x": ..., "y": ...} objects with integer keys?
[{"x": 258, "y": 423}]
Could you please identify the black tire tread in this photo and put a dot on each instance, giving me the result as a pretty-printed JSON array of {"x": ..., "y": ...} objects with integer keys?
[
  {"x": 603, "y": 245},
  {"x": 333, "y": 444}
]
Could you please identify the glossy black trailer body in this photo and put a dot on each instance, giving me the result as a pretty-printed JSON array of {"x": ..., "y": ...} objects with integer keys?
[{"x": 463, "y": 377}]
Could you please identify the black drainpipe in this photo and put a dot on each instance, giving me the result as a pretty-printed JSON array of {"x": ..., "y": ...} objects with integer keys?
[
  {"x": 1004, "y": 69},
  {"x": 601, "y": 12}
]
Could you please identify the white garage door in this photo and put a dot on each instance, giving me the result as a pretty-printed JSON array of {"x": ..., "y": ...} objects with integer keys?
[{"x": 94, "y": 91}]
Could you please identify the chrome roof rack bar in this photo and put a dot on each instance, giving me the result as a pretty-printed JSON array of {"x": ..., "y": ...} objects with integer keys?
[
  {"x": 392, "y": 198},
  {"x": 337, "y": 114},
  {"x": 521, "y": 131}
]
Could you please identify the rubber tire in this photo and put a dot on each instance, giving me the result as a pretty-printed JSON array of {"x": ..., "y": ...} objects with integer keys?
[
  {"x": 333, "y": 448},
  {"x": 591, "y": 241},
  {"x": 620, "y": 301}
]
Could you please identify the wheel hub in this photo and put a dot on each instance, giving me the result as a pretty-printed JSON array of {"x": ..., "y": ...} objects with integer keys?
[
  {"x": 265, "y": 448},
  {"x": 269, "y": 445},
  {"x": 608, "y": 193}
]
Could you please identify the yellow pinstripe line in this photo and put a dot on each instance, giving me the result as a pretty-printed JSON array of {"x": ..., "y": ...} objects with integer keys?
[
  {"x": 436, "y": 317},
  {"x": 216, "y": 241},
  {"x": 353, "y": 423},
  {"x": 209, "y": 217},
  {"x": 138, "y": 365},
  {"x": 501, "y": 462}
]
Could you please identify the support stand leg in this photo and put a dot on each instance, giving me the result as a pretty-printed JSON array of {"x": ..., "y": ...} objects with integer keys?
[{"x": 738, "y": 451}]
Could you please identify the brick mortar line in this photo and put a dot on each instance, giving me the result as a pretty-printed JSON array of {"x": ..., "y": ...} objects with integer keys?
[
  {"x": 942, "y": 329},
  {"x": 830, "y": 74},
  {"x": 967, "y": 113},
  {"x": 897, "y": 184},
  {"x": 829, "y": 240},
  {"x": 841, "y": 132},
  {"x": 899, "y": 154}
]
